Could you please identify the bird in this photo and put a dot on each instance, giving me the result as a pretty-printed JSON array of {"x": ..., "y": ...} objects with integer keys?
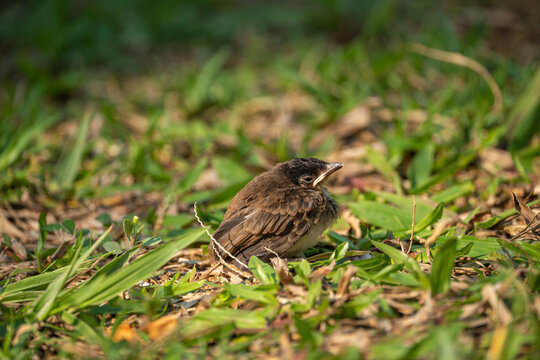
[{"x": 280, "y": 213}]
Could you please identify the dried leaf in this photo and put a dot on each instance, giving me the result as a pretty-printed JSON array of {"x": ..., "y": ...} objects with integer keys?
[
  {"x": 282, "y": 269},
  {"x": 345, "y": 280},
  {"x": 161, "y": 327},
  {"x": 498, "y": 341},
  {"x": 353, "y": 221},
  {"x": 19, "y": 249},
  {"x": 523, "y": 209},
  {"x": 489, "y": 294},
  {"x": 322, "y": 271},
  {"x": 125, "y": 332}
]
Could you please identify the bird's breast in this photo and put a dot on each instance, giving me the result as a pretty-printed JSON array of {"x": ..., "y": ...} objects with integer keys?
[
  {"x": 310, "y": 238},
  {"x": 326, "y": 219}
]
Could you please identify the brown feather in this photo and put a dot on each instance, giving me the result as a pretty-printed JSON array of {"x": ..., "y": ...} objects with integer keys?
[{"x": 273, "y": 213}]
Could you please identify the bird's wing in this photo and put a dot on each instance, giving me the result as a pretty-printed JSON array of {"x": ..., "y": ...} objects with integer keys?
[{"x": 284, "y": 217}]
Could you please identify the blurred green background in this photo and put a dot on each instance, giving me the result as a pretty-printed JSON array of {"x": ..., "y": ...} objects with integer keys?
[{"x": 99, "y": 97}]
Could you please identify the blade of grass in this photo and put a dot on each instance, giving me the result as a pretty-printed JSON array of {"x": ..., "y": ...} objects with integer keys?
[
  {"x": 42, "y": 306},
  {"x": 442, "y": 268},
  {"x": 382, "y": 215},
  {"x": 262, "y": 271},
  {"x": 430, "y": 218},
  {"x": 21, "y": 140},
  {"x": 421, "y": 165},
  {"x": 85, "y": 330},
  {"x": 522, "y": 126},
  {"x": 381, "y": 163},
  {"x": 402, "y": 259},
  {"x": 199, "y": 93},
  {"x": 107, "y": 285},
  {"x": 68, "y": 165},
  {"x": 190, "y": 178},
  {"x": 461, "y": 163}
]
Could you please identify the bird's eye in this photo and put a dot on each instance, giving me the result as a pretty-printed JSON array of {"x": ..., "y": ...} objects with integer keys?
[{"x": 306, "y": 180}]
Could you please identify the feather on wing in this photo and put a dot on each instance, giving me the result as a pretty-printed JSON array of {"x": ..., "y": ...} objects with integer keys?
[{"x": 275, "y": 222}]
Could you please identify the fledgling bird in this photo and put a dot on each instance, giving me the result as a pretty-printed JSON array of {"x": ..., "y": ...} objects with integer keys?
[{"x": 282, "y": 211}]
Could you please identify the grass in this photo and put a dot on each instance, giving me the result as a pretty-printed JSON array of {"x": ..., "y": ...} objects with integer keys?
[{"x": 102, "y": 157}]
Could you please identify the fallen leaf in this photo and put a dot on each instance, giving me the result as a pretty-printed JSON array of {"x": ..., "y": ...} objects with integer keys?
[
  {"x": 523, "y": 209},
  {"x": 161, "y": 327},
  {"x": 125, "y": 332},
  {"x": 353, "y": 221},
  {"x": 345, "y": 280},
  {"x": 322, "y": 271},
  {"x": 282, "y": 269}
]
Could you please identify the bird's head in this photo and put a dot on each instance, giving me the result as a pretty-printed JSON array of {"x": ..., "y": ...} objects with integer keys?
[{"x": 308, "y": 172}]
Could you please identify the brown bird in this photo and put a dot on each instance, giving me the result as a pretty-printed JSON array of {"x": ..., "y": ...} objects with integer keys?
[{"x": 280, "y": 212}]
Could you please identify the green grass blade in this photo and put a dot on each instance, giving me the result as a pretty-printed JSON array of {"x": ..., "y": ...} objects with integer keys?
[
  {"x": 34, "y": 282},
  {"x": 85, "y": 330},
  {"x": 68, "y": 166},
  {"x": 200, "y": 92},
  {"x": 21, "y": 297},
  {"x": 381, "y": 163},
  {"x": 500, "y": 217},
  {"x": 262, "y": 271},
  {"x": 522, "y": 125},
  {"x": 442, "y": 268},
  {"x": 114, "y": 282},
  {"x": 430, "y": 218},
  {"x": 252, "y": 293},
  {"x": 480, "y": 247},
  {"x": 191, "y": 177},
  {"x": 423, "y": 208},
  {"x": 421, "y": 165},
  {"x": 402, "y": 259},
  {"x": 449, "y": 194},
  {"x": 385, "y": 216},
  {"x": 461, "y": 163},
  {"x": 21, "y": 141},
  {"x": 42, "y": 306}
]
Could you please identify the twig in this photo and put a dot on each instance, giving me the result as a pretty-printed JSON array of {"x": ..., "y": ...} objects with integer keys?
[
  {"x": 215, "y": 242},
  {"x": 401, "y": 245},
  {"x": 438, "y": 229},
  {"x": 412, "y": 226},
  {"x": 272, "y": 251},
  {"x": 85, "y": 270},
  {"x": 462, "y": 60}
]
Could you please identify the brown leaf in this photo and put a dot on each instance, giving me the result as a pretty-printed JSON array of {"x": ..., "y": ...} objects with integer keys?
[
  {"x": 523, "y": 209},
  {"x": 282, "y": 269},
  {"x": 353, "y": 221},
  {"x": 345, "y": 280},
  {"x": 403, "y": 308},
  {"x": 161, "y": 327},
  {"x": 19, "y": 249},
  {"x": 287, "y": 351},
  {"x": 498, "y": 341},
  {"x": 322, "y": 271},
  {"x": 8, "y": 228},
  {"x": 489, "y": 294},
  {"x": 125, "y": 332}
]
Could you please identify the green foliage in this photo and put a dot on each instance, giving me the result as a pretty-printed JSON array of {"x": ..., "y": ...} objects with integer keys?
[
  {"x": 402, "y": 259},
  {"x": 68, "y": 165},
  {"x": 118, "y": 276},
  {"x": 442, "y": 267}
]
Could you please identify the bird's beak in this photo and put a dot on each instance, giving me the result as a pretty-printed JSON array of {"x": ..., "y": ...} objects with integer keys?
[{"x": 330, "y": 169}]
